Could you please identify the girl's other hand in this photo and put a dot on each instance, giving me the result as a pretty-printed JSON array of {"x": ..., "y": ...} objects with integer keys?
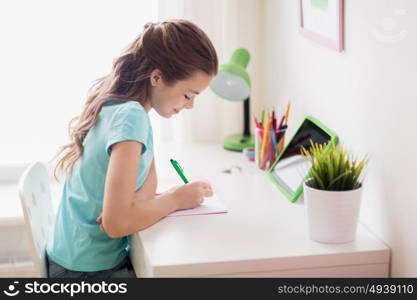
[{"x": 100, "y": 220}]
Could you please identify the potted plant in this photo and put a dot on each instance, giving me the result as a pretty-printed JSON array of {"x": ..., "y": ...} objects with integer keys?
[{"x": 332, "y": 192}]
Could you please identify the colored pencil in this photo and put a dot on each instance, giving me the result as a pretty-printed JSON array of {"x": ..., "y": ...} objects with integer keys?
[
  {"x": 274, "y": 140},
  {"x": 281, "y": 142},
  {"x": 287, "y": 112},
  {"x": 262, "y": 117},
  {"x": 264, "y": 138},
  {"x": 280, "y": 124},
  {"x": 258, "y": 127}
]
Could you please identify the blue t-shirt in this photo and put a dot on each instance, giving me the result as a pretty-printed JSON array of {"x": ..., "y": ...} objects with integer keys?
[{"x": 77, "y": 242}]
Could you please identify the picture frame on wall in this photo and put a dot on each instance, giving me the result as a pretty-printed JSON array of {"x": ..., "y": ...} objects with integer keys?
[{"x": 323, "y": 22}]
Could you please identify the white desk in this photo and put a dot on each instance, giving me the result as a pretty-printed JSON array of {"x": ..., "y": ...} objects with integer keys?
[{"x": 263, "y": 235}]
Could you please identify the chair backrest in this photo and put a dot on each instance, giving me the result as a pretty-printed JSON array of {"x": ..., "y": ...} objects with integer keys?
[{"x": 35, "y": 197}]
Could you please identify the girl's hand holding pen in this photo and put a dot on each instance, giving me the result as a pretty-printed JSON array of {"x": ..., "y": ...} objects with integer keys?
[{"x": 191, "y": 195}]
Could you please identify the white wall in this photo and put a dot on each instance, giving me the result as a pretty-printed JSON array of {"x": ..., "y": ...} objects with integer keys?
[{"x": 367, "y": 95}]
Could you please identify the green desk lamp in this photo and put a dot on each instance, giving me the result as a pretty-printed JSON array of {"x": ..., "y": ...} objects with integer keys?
[{"x": 233, "y": 83}]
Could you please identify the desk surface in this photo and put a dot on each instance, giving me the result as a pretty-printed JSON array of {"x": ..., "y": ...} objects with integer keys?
[{"x": 262, "y": 231}]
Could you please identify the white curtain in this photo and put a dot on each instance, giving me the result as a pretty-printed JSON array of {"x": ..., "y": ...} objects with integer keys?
[{"x": 230, "y": 24}]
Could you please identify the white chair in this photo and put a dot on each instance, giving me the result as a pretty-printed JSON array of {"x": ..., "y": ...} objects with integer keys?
[{"x": 35, "y": 197}]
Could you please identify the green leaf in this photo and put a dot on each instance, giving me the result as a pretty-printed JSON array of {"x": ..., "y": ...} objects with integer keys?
[
  {"x": 338, "y": 177},
  {"x": 318, "y": 180},
  {"x": 333, "y": 167}
]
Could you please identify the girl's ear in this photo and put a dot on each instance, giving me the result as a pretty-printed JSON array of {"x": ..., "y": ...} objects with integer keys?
[{"x": 156, "y": 77}]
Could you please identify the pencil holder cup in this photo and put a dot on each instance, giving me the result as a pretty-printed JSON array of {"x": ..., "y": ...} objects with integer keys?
[{"x": 267, "y": 151}]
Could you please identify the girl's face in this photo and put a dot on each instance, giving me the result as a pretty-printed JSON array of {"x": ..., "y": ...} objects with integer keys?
[{"x": 169, "y": 100}]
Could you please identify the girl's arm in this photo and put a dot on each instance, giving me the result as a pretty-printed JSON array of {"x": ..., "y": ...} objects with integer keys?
[
  {"x": 122, "y": 215},
  {"x": 149, "y": 186}
]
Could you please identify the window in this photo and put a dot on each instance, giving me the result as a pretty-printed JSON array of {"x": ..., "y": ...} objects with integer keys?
[{"x": 51, "y": 53}]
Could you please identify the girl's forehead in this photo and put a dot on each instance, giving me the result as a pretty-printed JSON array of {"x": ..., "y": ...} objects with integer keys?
[{"x": 196, "y": 83}]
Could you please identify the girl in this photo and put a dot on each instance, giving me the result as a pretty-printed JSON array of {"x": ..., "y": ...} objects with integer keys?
[{"x": 109, "y": 190}]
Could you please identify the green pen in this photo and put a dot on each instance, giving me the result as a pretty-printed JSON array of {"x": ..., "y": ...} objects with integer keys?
[{"x": 179, "y": 170}]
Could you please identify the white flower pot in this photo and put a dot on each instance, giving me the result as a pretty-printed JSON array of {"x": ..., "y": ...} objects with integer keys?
[{"x": 332, "y": 215}]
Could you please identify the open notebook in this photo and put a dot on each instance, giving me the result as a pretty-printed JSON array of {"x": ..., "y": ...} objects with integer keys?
[{"x": 210, "y": 205}]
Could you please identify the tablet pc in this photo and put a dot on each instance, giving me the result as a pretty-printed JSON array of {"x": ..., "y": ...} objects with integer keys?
[{"x": 291, "y": 167}]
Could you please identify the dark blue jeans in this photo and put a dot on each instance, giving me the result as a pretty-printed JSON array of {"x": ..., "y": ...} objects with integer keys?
[{"x": 123, "y": 270}]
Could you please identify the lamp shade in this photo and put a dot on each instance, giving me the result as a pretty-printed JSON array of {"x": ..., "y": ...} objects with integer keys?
[{"x": 233, "y": 82}]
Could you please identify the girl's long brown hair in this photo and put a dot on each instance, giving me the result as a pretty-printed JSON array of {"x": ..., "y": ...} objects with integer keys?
[{"x": 178, "y": 48}]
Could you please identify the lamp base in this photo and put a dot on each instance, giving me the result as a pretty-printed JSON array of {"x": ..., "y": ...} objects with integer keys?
[{"x": 238, "y": 142}]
